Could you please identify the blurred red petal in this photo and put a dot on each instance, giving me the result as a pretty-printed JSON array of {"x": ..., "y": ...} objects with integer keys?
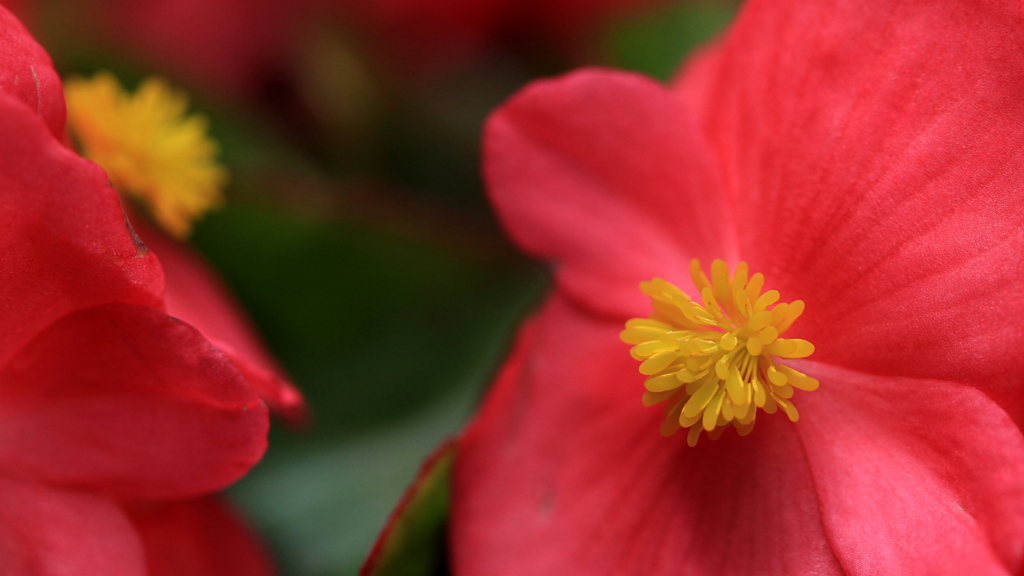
[
  {"x": 425, "y": 34},
  {"x": 49, "y": 532},
  {"x": 226, "y": 46},
  {"x": 434, "y": 34},
  {"x": 202, "y": 537},
  {"x": 125, "y": 400}
]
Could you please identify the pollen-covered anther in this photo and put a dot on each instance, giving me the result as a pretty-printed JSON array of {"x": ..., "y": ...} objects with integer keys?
[
  {"x": 150, "y": 147},
  {"x": 715, "y": 362}
]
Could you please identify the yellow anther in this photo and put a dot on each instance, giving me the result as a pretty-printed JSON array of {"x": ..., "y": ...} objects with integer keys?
[
  {"x": 754, "y": 346},
  {"x": 716, "y": 360},
  {"x": 765, "y": 300},
  {"x": 759, "y": 321},
  {"x": 728, "y": 342},
  {"x": 150, "y": 147},
  {"x": 768, "y": 335},
  {"x": 722, "y": 367},
  {"x": 662, "y": 383},
  {"x": 753, "y": 288},
  {"x": 700, "y": 281},
  {"x": 739, "y": 277},
  {"x": 737, "y": 392}
]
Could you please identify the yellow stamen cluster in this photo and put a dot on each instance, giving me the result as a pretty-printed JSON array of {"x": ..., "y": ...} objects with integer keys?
[
  {"x": 714, "y": 362},
  {"x": 150, "y": 148}
]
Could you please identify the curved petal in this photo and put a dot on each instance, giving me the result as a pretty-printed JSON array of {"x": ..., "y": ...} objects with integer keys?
[
  {"x": 914, "y": 476},
  {"x": 873, "y": 154},
  {"x": 65, "y": 244},
  {"x": 48, "y": 532},
  {"x": 202, "y": 537},
  {"x": 127, "y": 400},
  {"x": 26, "y": 73},
  {"x": 196, "y": 295},
  {"x": 605, "y": 173},
  {"x": 564, "y": 472},
  {"x": 695, "y": 80}
]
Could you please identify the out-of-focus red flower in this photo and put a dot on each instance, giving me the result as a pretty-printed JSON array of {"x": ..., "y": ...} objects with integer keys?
[
  {"x": 867, "y": 158},
  {"x": 106, "y": 398},
  {"x": 225, "y": 47},
  {"x": 235, "y": 46},
  {"x": 432, "y": 33}
]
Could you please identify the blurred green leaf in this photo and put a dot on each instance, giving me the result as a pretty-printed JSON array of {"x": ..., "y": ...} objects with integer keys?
[
  {"x": 322, "y": 511},
  {"x": 371, "y": 324},
  {"x": 657, "y": 41},
  {"x": 414, "y": 543}
]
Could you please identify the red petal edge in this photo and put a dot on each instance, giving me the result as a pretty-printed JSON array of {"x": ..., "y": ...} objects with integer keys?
[
  {"x": 195, "y": 294},
  {"x": 26, "y": 73},
  {"x": 606, "y": 174},
  {"x": 126, "y": 400}
]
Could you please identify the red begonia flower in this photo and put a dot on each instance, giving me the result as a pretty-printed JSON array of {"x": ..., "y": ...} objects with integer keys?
[
  {"x": 226, "y": 47},
  {"x": 191, "y": 290},
  {"x": 201, "y": 537},
  {"x": 105, "y": 397},
  {"x": 866, "y": 157}
]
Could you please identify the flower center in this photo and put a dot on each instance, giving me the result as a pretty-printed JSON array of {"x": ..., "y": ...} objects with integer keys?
[
  {"x": 150, "y": 148},
  {"x": 715, "y": 362}
]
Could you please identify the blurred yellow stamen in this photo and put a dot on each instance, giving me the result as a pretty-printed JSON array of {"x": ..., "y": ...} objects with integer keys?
[
  {"x": 150, "y": 148},
  {"x": 715, "y": 362}
]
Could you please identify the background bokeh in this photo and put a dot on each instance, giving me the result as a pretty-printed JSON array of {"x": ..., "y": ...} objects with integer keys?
[{"x": 356, "y": 231}]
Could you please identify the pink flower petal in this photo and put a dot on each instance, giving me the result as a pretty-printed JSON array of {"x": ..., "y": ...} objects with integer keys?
[
  {"x": 126, "y": 400},
  {"x": 27, "y": 74},
  {"x": 873, "y": 156},
  {"x": 50, "y": 532},
  {"x": 914, "y": 476},
  {"x": 605, "y": 174}
]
